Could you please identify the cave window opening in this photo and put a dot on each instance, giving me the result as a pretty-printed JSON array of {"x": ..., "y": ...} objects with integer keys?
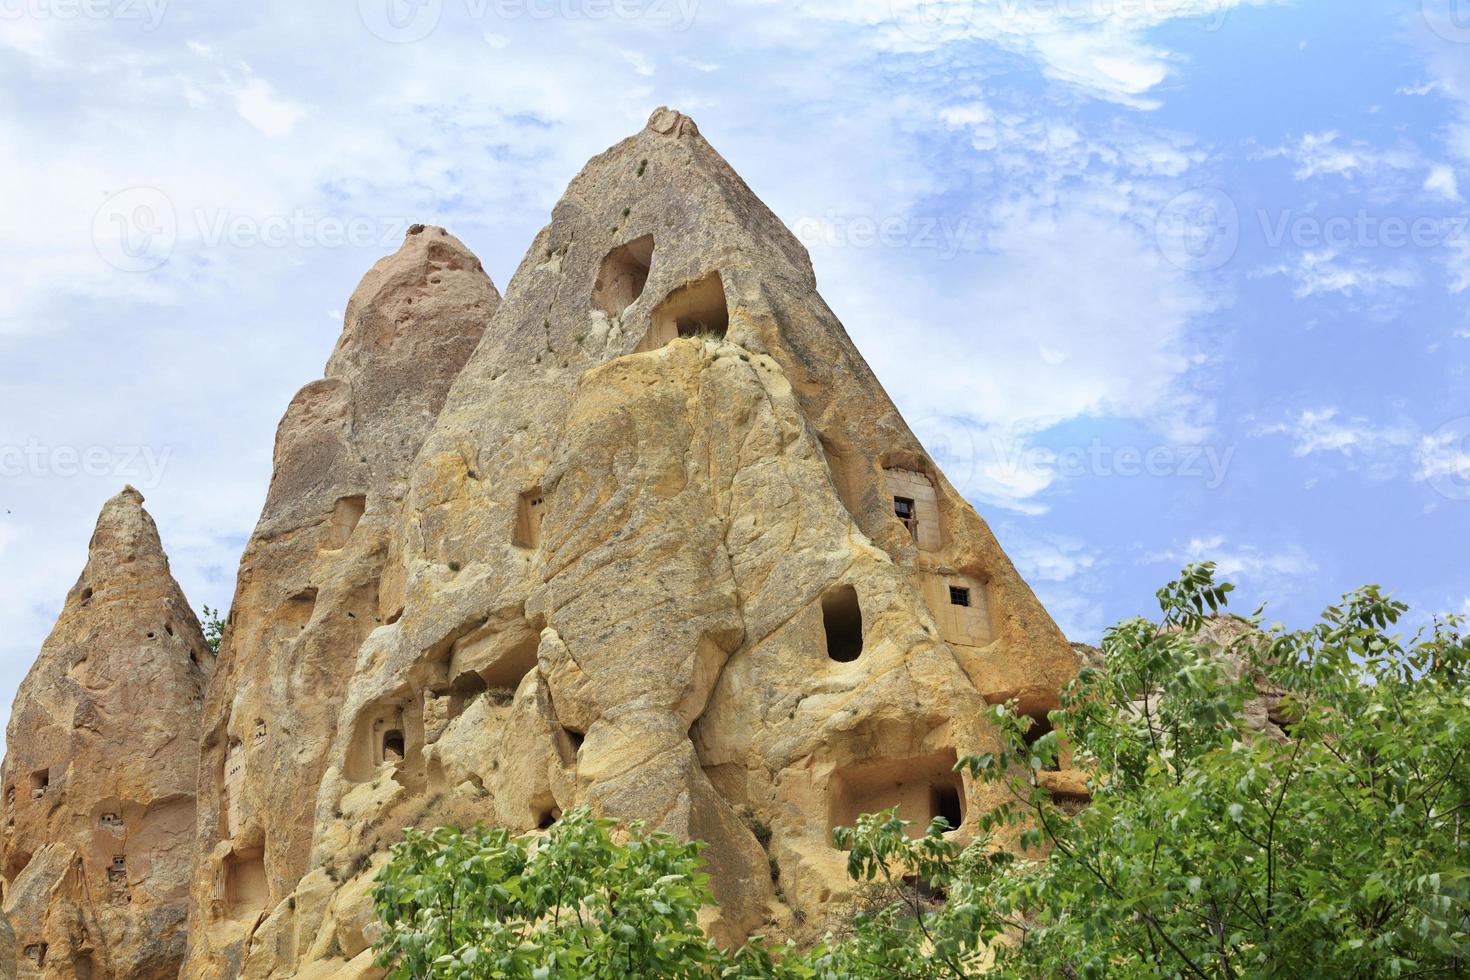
[
  {"x": 346, "y": 513},
  {"x": 903, "y": 509},
  {"x": 246, "y": 886},
  {"x": 394, "y": 749},
  {"x": 842, "y": 620},
  {"x": 1040, "y": 727},
  {"x": 944, "y": 801},
  {"x": 919, "y": 788},
  {"x": 529, "y": 514},
  {"x": 623, "y": 275},
  {"x": 915, "y": 504},
  {"x": 699, "y": 309},
  {"x": 234, "y": 786},
  {"x": 36, "y": 953},
  {"x": 959, "y": 596},
  {"x": 40, "y": 783},
  {"x": 464, "y": 690},
  {"x": 117, "y": 872}
]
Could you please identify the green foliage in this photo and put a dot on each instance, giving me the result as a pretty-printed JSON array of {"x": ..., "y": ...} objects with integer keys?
[
  {"x": 471, "y": 904},
  {"x": 214, "y": 628},
  {"x": 1210, "y": 848},
  {"x": 1334, "y": 845}
]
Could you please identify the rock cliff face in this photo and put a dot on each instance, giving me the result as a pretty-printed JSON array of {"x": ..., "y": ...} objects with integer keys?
[
  {"x": 101, "y": 766},
  {"x": 647, "y": 535},
  {"x": 668, "y": 549},
  {"x": 309, "y": 588}
]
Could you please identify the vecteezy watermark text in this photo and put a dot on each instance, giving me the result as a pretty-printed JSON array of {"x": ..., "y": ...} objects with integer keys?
[
  {"x": 136, "y": 230},
  {"x": 946, "y": 234},
  {"x": 141, "y": 465},
  {"x": 1362, "y": 229},
  {"x": 149, "y": 13},
  {"x": 1200, "y": 230},
  {"x": 1208, "y": 464},
  {"x": 944, "y": 20},
  {"x": 406, "y": 21}
]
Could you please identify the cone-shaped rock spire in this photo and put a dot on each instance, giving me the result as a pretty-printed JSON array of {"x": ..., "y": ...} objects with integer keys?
[
  {"x": 669, "y": 550},
  {"x": 102, "y": 755},
  {"x": 309, "y": 585}
]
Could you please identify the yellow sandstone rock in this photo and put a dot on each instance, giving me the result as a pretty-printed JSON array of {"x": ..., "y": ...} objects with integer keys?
[
  {"x": 102, "y": 756},
  {"x": 647, "y": 535}
]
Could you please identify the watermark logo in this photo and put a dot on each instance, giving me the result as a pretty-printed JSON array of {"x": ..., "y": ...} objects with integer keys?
[
  {"x": 135, "y": 230},
  {"x": 142, "y": 466},
  {"x": 1450, "y": 19},
  {"x": 1199, "y": 230},
  {"x": 1444, "y": 459},
  {"x": 401, "y": 21},
  {"x": 932, "y": 21}
]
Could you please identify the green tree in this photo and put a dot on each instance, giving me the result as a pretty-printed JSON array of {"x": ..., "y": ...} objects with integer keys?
[
  {"x": 214, "y": 628},
  {"x": 1210, "y": 848},
  {"x": 575, "y": 903},
  {"x": 1332, "y": 845}
]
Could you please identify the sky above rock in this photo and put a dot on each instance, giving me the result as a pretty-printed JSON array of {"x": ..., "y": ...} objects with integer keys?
[{"x": 1155, "y": 280}]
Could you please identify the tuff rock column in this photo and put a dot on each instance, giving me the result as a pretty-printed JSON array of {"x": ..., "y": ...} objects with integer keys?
[
  {"x": 309, "y": 590},
  {"x": 101, "y": 763}
]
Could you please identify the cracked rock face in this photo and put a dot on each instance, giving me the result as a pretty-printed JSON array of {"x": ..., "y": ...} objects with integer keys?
[
  {"x": 101, "y": 762},
  {"x": 664, "y": 547}
]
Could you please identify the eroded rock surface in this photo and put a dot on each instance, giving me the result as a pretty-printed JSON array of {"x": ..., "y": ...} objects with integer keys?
[
  {"x": 646, "y": 535},
  {"x": 102, "y": 756},
  {"x": 668, "y": 550},
  {"x": 309, "y": 593}
]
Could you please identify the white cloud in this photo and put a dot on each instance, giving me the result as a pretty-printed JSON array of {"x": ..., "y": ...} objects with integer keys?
[
  {"x": 696, "y": 64},
  {"x": 259, "y": 105},
  {"x": 1053, "y": 558},
  {"x": 1266, "y": 570},
  {"x": 1441, "y": 181},
  {"x": 1381, "y": 449},
  {"x": 1099, "y": 48},
  {"x": 1327, "y": 154},
  {"x": 969, "y": 114},
  {"x": 638, "y": 61},
  {"x": 1326, "y": 272}
]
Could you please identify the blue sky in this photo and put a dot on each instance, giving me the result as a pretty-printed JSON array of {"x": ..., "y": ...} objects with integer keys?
[{"x": 1157, "y": 280}]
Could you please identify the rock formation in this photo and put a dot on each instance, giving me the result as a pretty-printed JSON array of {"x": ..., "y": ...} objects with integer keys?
[
  {"x": 308, "y": 593},
  {"x": 668, "y": 549},
  {"x": 647, "y": 535},
  {"x": 101, "y": 767}
]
